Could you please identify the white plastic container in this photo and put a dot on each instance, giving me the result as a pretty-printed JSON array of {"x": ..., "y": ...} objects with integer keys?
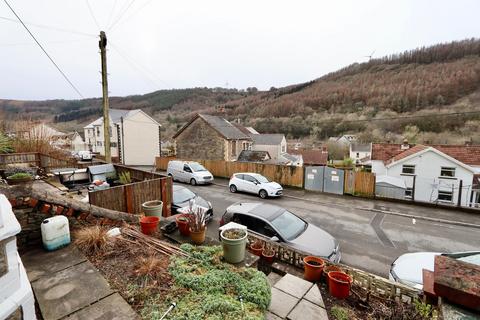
[{"x": 55, "y": 232}]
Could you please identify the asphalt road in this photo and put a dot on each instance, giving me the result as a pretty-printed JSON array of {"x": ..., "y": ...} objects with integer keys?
[{"x": 369, "y": 240}]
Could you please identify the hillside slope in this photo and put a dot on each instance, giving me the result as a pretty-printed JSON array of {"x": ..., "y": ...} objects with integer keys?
[{"x": 402, "y": 95}]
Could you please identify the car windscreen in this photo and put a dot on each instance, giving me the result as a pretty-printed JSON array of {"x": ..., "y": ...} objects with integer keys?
[
  {"x": 261, "y": 179},
  {"x": 182, "y": 195},
  {"x": 289, "y": 225},
  {"x": 197, "y": 167}
]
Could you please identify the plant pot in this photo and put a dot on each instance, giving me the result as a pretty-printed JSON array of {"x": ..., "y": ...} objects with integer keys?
[
  {"x": 12, "y": 182},
  {"x": 256, "y": 250},
  {"x": 182, "y": 225},
  {"x": 313, "y": 268},
  {"x": 198, "y": 237},
  {"x": 233, "y": 249},
  {"x": 149, "y": 225},
  {"x": 153, "y": 208},
  {"x": 339, "y": 284},
  {"x": 268, "y": 257},
  {"x": 327, "y": 269}
]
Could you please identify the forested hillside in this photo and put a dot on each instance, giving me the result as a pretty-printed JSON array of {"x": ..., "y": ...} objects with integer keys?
[{"x": 429, "y": 94}]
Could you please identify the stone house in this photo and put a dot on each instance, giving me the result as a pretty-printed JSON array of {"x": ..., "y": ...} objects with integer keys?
[{"x": 210, "y": 137}]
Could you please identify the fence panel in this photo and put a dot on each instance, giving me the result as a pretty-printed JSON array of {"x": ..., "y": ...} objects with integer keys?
[
  {"x": 314, "y": 178},
  {"x": 285, "y": 175},
  {"x": 333, "y": 180},
  {"x": 26, "y": 158},
  {"x": 129, "y": 198},
  {"x": 364, "y": 184},
  {"x": 349, "y": 185}
]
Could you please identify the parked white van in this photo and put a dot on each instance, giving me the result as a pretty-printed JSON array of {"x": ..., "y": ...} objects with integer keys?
[{"x": 189, "y": 172}]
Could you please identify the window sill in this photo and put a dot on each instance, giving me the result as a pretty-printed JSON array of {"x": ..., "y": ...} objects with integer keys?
[
  {"x": 448, "y": 178},
  {"x": 408, "y": 174}
]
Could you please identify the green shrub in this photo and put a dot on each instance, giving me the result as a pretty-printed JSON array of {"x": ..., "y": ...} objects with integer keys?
[
  {"x": 339, "y": 313},
  {"x": 20, "y": 175}
]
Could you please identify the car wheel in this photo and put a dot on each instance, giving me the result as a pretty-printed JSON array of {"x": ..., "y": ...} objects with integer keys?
[
  {"x": 233, "y": 188},
  {"x": 193, "y": 182},
  {"x": 263, "y": 194},
  {"x": 171, "y": 176}
]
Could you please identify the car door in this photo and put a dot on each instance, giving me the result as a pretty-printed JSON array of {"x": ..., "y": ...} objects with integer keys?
[
  {"x": 255, "y": 224},
  {"x": 187, "y": 173},
  {"x": 239, "y": 182},
  {"x": 250, "y": 184}
]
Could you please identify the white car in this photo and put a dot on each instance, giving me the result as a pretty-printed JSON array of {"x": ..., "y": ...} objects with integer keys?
[
  {"x": 254, "y": 183},
  {"x": 407, "y": 269},
  {"x": 189, "y": 171}
]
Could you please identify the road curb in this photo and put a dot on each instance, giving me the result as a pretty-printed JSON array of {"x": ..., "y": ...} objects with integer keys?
[{"x": 393, "y": 213}]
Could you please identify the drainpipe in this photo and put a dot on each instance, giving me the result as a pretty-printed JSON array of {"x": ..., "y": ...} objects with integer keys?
[{"x": 123, "y": 142}]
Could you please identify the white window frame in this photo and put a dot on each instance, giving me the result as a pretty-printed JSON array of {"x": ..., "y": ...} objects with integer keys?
[
  {"x": 408, "y": 166},
  {"x": 447, "y": 169},
  {"x": 445, "y": 192},
  {"x": 409, "y": 193}
]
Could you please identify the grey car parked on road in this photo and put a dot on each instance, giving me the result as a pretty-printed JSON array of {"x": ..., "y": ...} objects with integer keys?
[{"x": 280, "y": 225}]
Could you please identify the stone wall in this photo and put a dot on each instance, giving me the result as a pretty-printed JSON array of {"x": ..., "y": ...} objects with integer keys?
[{"x": 200, "y": 141}]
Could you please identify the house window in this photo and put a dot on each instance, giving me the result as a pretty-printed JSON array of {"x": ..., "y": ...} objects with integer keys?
[
  {"x": 110, "y": 131},
  {"x": 99, "y": 143},
  {"x": 98, "y": 131},
  {"x": 113, "y": 144},
  {"x": 358, "y": 154},
  {"x": 284, "y": 149},
  {"x": 447, "y": 172},
  {"x": 409, "y": 193},
  {"x": 234, "y": 148},
  {"x": 246, "y": 146},
  {"x": 446, "y": 196},
  {"x": 408, "y": 169}
]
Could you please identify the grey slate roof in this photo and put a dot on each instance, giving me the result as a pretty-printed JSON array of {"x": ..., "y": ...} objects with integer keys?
[
  {"x": 224, "y": 127},
  {"x": 271, "y": 139},
  {"x": 253, "y": 156},
  {"x": 361, "y": 147}
]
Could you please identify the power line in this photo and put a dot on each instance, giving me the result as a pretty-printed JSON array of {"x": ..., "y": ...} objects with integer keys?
[
  {"x": 111, "y": 13},
  {"x": 412, "y": 117},
  {"x": 50, "y": 27},
  {"x": 41, "y": 47},
  {"x": 93, "y": 15},
  {"x": 138, "y": 10},
  {"x": 121, "y": 15}
]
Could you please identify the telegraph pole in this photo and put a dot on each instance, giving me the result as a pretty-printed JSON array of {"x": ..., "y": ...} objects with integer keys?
[{"x": 106, "y": 116}]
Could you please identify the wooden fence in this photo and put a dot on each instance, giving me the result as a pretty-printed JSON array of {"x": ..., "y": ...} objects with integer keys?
[
  {"x": 285, "y": 175},
  {"x": 129, "y": 197},
  {"x": 35, "y": 159},
  {"x": 359, "y": 183}
]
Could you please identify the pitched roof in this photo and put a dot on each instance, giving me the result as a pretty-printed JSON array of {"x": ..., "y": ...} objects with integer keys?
[
  {"x": 246, "y": 130},
  {"x": 361, "y": 147},
  {"x": 271, "y": 139},
  {"x": 389, "y": 152},
  {"x": 115, "y": 117},
  {"x": 219, "y": 124},
  {"x": 312, "y": 157},
  {"x": 253, "y": 156}
]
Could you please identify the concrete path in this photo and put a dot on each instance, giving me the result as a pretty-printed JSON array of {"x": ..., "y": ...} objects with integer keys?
[
  {"x": 294, "y": 299},
  {"x": 67, "y": 285}
]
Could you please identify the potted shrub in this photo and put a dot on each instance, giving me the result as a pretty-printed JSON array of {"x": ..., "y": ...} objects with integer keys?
[
  {"x": 268, "y": 254},
  {"x": 182, "y": 224},
  {"x": 313, "y": 268},
  {"x": 197, "y": 221},
  {"x": 19, "y": 177},
  {"x": 257, "y": 247},
  {"x": 234, "y": 242}
]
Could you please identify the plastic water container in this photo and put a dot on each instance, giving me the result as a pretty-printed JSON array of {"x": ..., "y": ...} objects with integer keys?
[{"x": 55, "y": 232}]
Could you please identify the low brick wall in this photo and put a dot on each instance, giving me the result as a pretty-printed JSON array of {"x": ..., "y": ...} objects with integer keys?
[{"x": 376, "y": 285}]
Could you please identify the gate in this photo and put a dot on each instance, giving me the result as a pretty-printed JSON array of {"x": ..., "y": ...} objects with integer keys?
[
  {"x": 349, "y": 182},
  {"x": 333, "y": 180},
  {"x": 314, "y": 178}
]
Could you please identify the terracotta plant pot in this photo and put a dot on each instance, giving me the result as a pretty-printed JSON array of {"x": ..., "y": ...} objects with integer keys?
[
  {"x": 339, "y": 284},
  {"x": 313, "y": 268},
  {"x": 268, "y": 256},
  {"x": 198, "y": 237},
  {"x": 327, "y": 269},
  {"x": 256, "y": 248},
  {"x": 149, "y": 225},
  {"x": 182, "y": 224}
]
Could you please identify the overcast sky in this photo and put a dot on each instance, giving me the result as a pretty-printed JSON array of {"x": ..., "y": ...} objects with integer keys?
[{"x": 178, "y": 44}]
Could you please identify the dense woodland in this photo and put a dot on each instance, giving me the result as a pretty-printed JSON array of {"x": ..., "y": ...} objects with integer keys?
[{"x": 404, "y": 95}]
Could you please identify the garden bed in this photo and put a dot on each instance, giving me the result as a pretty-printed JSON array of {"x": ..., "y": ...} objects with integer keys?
[{"x": 199, "y": 283}]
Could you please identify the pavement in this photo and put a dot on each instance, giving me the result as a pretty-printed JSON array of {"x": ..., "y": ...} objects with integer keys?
[
  {"x": 294, "y": 298},
  {"x": 67, "y": 286},
  {"x": 372, "y": 233}
]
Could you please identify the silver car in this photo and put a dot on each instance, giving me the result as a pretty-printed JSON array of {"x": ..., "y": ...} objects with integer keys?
[{"x": 281, "y": 225}]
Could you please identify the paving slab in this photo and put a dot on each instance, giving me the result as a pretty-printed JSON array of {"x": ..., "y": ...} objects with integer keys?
[
  {"x": 271, "y": 316},
  {"x": 273, "y": 278},
  {"x": 62, "y": 293},
  {"x": 314, "y": 296},
  {"x": 39, "y": 262},
  {"x": 282, "y": 303},
  {"x": 307, "y": 310},
  {"x": 294, "y": 286},
  {"x": 112, "y": 307}
]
